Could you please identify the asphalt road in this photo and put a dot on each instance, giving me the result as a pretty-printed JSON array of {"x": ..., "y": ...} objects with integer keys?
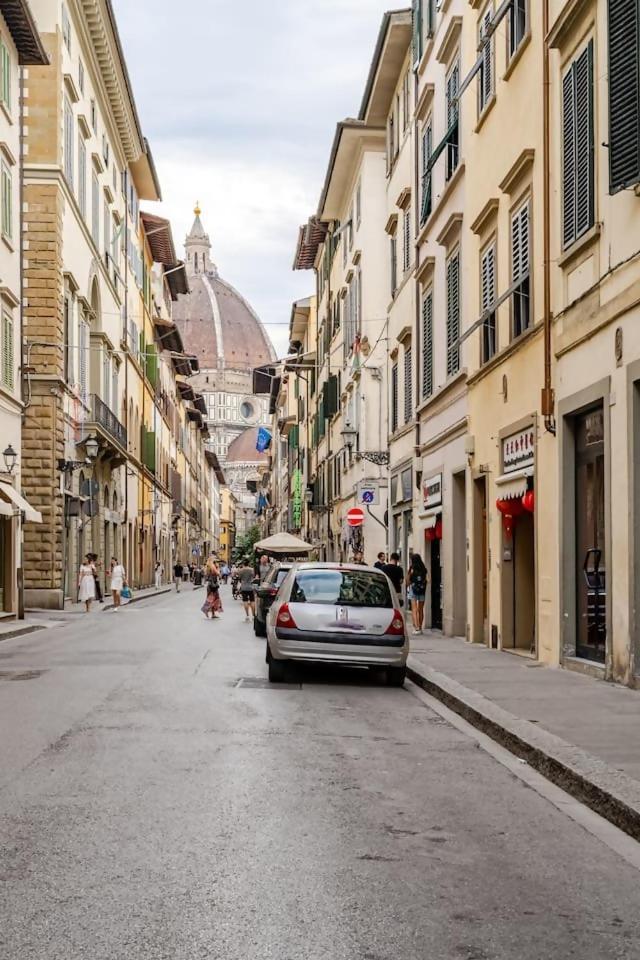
[{"x": 159, "y": 801}]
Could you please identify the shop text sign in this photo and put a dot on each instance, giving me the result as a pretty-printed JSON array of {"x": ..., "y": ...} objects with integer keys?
[
  {"x": 518, "y": 450},
  {"x": 432, "y": 491}
]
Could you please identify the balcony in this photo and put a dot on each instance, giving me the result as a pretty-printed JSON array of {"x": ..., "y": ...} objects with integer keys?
[{"x": 107, "y": 422}]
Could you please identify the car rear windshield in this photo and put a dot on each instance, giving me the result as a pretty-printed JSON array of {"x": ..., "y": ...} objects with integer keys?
[
  {"x": 281, "y": 574},
  {"x": 356, "y": 588}
]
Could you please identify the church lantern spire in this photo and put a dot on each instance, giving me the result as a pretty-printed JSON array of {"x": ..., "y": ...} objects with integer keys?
[{"x": 198, "y": 248}]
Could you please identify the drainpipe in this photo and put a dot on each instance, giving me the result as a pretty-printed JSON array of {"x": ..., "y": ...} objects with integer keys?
[
  {"x": 19, "y": 524},
  {"x": 417, "y": 206},
  {"x": 548, "y": 393}
]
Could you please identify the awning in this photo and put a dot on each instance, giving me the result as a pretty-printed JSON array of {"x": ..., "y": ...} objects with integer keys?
[
  {"x": 9, "y": 495},
  {"x": 514, "y": 485},
  {"x": 6, "y": 510},
  {"x": 431, "y": 517}
]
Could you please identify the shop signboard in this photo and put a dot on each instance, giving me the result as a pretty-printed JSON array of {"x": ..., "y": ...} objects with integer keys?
[
  {"x": 518, "y": 450},
  {"x": 296, "y": 500},
  {"x": 432, "y": 492}
]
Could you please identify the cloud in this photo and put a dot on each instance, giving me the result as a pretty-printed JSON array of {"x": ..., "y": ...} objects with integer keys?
[{"x": 239, "y": 102}]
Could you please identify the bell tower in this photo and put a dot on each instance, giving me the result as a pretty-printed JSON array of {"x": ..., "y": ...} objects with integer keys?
[{"x": 198, "y": 248}]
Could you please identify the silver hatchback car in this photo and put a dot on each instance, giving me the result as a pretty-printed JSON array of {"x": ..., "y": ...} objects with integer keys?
[{"x": 337, "y": 613}]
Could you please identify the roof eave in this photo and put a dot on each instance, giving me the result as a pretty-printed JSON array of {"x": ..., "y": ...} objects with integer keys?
[
  {"x": 349, "y": 134},
  {"x": 24, "y": 33},
  {"x": 394, "y": 21}
]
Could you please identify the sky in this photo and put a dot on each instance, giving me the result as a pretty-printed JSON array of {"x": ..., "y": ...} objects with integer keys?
[{"x": 239, "y": 101}]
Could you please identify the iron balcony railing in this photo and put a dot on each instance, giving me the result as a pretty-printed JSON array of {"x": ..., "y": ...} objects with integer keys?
[{"x": 102, "y": 415}]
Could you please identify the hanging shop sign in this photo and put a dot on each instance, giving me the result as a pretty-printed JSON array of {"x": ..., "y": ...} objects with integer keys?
[
  {"x": 518, "y": 450},
  {"x": 432, "y": 492},
  {"x": 296, "y": 499},
  {"x": 369, "y": 493}
]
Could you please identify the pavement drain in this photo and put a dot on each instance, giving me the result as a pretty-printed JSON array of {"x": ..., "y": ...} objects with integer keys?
[
  {"x": 261, "y": 683},
  {"x": 22, "y": 675}
]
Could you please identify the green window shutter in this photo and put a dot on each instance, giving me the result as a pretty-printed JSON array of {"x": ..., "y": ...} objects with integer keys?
[
  {"x": 453, "y": 315},
  {"x": 624, "y": 94},
  {"x": 7, "y": 352},
  {"x": 577, "y": 148},
  {"x": 416, "y": 24},
  {"x": 427, "y": 345}
]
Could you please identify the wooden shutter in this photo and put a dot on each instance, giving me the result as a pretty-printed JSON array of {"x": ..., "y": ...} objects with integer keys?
[
  {"x": 453, "y": 315},
  {"x": 624, "y": 94},
  {"x": 486, "y": 71},
  {"x": 488, "y": 278},
  {"x": 416, "y": 23},
  {"x": 520, "y": 244},
  {"x": 7, "y": 351},
  {"x": 408, "y": 384},
  {"x": 394, "y": 398},
  {"x": 427, "y": 345},
  {"x": 577, "y": 148}
]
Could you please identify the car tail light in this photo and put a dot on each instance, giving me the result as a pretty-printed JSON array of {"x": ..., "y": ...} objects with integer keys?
[
  {"x": 396, "y": 627},
  {"x": 285, "y": 619}
]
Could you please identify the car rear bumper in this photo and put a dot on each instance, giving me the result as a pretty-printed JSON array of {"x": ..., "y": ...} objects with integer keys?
[{"x": 372, "y": 650}]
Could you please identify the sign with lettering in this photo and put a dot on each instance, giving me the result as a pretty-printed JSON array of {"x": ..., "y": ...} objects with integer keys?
[
  {"x": 296, "y": 499},
  {"x": 369, "y": 493},
  {"x": 518, "y": 450},
  {"x": 432, "y": 491}
]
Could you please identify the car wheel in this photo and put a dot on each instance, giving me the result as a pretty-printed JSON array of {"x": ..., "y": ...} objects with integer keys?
[
  {"x": 267, "y": 655},
  {"x": 259, "y": 628},
  {"x": 396, "y": 676},
  {"x": 278, "y": 671}
]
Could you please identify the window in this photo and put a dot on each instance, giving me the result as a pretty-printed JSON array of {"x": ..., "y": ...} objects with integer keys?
[
  {"x": 453, "y": 314},
  {"x": 427, "y": 345},
  {"x": 577, "y": 148},
  {"x": 344, "y": 248},
  {"x": 624, "y": 94},
  {"x": 105, "y": 150},
  {"x": 106, "y": 379},
  {"x": 390, "y": 142},
  {"x": 66, "y": 28},
  {"x": 488, "y": 296},
  {"x": 5, "y": 68},
  {"x": 356, "y": 589},
  {"x": 69, "y": 141},
  {"x": 431, "y": 16},
  {"x": 83, "y": 358},
  {"x": 7, "y": 352},
  {"x": 520, "y": 254},
  {"x": 394, "y": 398},
  {"x": 393, "y": 251},
  {"x": 114, "y": 386},
  {"x": 107, "y": 231},
  {"x": 351, "y": 228},
  {"x": 405, "y": 102},
  {"x": 427, "y": 149},
  {"x": 406, "y": 241},
  {"x": 518, "y": 24},
  {"x": 81, "y": 76},
  {"x": 408, "y": 384},
  {"x": 485, "y": 76},
  {"x": 358, "y": 204},
  {"x": 68, "y": 337},
  {"x": 95, "y": 209},
  {"x": 453, "y": 133},
  {"x": 7, "y": 202},
  {"x": 82, "y": 176},
  {"x": 416, "y": 23},
  {"x": 359, "y": 300},
  {"x": 94, "y": 116}
]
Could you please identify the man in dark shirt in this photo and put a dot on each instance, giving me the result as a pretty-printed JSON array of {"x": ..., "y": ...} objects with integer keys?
[
  {"x": 178, "y": 570},
  {"x": 395, "y": 573},
  {"x": 381, "y": 562}
]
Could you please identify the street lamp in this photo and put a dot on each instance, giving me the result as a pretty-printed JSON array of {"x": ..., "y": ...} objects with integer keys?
[
  {"x": 349, "y": 435},
  {"x": 92, "y": 447},
  {"x": 10, "y": 457}
]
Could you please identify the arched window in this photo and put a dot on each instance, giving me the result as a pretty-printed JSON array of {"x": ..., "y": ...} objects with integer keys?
[
  {"x": 196, "y": 262},
  {"x": 106, "y": 498}
]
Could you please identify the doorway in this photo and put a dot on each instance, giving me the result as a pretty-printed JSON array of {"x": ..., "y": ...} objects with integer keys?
[
  {"x": 480, "y": 581},
  {"x": 436, "y": 586},
  {"x": 590, "y": 557}
]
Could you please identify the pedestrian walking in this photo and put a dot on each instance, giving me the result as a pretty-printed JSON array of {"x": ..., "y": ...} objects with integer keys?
[
  {"x": 226, "y": 572},
  {"x": 158, "y": 574},
  {"x": 264, "y": 568},
  {"x": 93, "y": 557},
  {"x": 246, "y": 578},
  {"x": 86, "y": 583},
  {"x": 417, "y": 579},
  {"x": 118, "y": 580},
  {"x": 396, "y": 574},
  {"x": 213, "y": 604},
  {"x": 178, "y": 570},
  {"x": 381, "y": 561}
]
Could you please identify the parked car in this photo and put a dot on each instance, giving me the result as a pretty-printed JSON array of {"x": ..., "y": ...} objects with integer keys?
[
  {"x": 337, "y": 613},
  {"x": 265, "y": 595}
]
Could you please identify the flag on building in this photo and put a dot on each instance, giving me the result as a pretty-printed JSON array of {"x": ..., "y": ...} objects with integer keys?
[{"x": 264, "y": 440}]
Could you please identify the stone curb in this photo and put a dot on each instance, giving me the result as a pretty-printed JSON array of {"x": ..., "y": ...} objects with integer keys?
[
  {"x": 611, "y": 793},
  {"x": 137, "y": 599}
]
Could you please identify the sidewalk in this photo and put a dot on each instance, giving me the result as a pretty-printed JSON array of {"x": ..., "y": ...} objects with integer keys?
[
  {"x": 579, "y": 732},
  {"x": 71, "y": 610}
]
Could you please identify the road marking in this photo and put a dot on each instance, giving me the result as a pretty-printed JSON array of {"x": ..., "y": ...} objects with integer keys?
[{"x": 618, "y": 841}]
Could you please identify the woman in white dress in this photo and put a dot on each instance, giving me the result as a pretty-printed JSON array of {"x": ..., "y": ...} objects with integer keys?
[
  {"x": 118, "y": 577},
  {"x": 86, "y": 583}
]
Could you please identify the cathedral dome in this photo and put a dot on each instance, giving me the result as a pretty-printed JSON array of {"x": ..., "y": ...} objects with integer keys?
[
  {"x": 217, "y": 324},
  {"x": 243, "y": 449}
]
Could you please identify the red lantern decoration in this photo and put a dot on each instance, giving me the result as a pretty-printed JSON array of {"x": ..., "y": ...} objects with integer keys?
[
  {"x": 510, "y": 510},
  {"x": 438, "y": 530},
  {"x": 430, "y": 534},
  {"x": 529, "y": 501}
]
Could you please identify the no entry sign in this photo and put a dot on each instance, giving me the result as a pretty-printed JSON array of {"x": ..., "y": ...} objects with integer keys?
[{"x": 355, "y": 517}]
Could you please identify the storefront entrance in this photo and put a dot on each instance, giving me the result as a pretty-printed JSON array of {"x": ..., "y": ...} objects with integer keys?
[
  {"x": 435, "y": 573},
  {"x": 591, "y": 560},
  {"x": 519, "y": 630}
]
